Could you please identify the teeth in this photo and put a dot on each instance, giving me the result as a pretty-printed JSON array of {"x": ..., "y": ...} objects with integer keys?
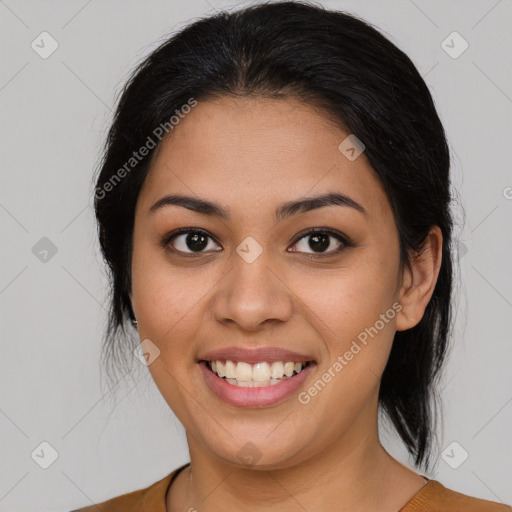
[
  {"x": 253, "y": 383},
  {"x": 230, "y": 370},
  {"x": 256, "y": 375},
  {"x": 277, "y": 370},
  {"x": 261, "y": 372},
  {"x": 288, "y": 369},
  {"x": 243, "y": 372}
]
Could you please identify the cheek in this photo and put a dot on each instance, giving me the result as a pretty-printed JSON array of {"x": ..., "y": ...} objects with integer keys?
[
  {"x": 352, "y": 297},
  {"x": 355, "y": 317},
  {"x": 354, "y": 313},
  {"x": 164, "y": 297}
]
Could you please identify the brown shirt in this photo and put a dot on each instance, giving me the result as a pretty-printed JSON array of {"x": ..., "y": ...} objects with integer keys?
[{"x": 433, "y": 497}]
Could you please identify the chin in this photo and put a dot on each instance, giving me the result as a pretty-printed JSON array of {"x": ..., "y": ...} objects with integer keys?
[{"x": 262, "y": 452}]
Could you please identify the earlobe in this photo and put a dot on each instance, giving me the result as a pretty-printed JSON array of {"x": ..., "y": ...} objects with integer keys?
[{"x": 419, "y": 281}]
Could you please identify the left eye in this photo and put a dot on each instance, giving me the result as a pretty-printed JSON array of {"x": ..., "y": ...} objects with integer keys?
[{"x": 321, "y": 242}]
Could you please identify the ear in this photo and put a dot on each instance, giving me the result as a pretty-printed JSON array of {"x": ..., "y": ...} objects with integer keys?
[{"x": 418, "y": 283}]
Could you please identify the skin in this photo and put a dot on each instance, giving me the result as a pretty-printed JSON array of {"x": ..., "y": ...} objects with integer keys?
[{"x": 251, "y": 155}]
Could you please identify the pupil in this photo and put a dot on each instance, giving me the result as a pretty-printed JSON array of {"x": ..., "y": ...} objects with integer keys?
[
  {"x": 196, "y": 241},
  {"x": 320, "y": 242}
]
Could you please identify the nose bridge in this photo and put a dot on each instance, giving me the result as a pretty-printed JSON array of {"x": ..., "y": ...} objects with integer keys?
[{"x": 252, "y": 293}]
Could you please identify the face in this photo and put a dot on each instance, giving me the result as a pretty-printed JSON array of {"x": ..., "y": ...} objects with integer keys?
[{"x": 250, "y": 286}]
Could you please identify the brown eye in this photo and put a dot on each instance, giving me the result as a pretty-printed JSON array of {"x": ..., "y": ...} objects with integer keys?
[
  {"x": 321, "y": 241},
  {"x": 192, "y": 241}
]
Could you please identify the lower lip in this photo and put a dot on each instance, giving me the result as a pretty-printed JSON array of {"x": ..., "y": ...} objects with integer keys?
[{"x": 253, "y": 397}]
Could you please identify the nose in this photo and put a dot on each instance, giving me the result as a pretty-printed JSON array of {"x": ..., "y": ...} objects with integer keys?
[{"x": 252, "y": 295}]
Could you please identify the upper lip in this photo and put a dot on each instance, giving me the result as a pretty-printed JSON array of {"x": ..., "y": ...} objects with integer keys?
[{"x": 255, "y": 355}]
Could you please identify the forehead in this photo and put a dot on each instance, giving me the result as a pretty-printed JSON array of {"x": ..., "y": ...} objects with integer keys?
[{"x": 250, "y": 151}]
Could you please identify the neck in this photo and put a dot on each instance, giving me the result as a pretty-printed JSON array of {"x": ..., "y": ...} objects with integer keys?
[{"x": 353, "y": 473}]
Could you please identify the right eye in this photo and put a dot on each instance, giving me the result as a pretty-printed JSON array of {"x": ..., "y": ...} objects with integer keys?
[{"x": 189, "y": 241}]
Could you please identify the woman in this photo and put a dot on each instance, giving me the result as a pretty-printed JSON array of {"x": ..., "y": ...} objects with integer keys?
[{"x": 274, "y": 207}]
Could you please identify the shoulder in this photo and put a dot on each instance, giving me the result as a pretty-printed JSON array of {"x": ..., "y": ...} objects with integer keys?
[
  {"x": 149, "y": 498},
  {"x": 435, "y": 497}
]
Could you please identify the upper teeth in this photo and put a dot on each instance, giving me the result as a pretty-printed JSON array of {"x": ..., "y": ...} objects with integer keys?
[{"x": 259, "y": 372}]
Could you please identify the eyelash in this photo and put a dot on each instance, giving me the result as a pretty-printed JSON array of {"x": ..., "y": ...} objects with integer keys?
[{"x": 343, "y": 239}]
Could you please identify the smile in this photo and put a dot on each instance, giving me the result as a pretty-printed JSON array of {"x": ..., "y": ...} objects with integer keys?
[
  {"x": 242, "y": 374},
  {"x": 254, "y": 385}
]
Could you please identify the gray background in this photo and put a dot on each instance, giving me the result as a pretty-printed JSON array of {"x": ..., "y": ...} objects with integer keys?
[{"x": 54, "y": 115}]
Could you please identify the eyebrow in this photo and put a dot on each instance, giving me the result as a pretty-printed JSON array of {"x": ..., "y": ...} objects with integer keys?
[{"x": 283, "y": 211}]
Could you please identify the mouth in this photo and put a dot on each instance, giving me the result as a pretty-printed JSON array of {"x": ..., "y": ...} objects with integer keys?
[
  {"x": 260, "y": 384},
  {"x": 245, "y": 375}
]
